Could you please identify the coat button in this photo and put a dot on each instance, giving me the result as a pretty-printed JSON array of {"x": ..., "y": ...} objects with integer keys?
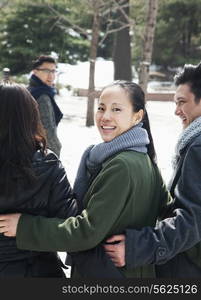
[{"x": 161, "y": 251}]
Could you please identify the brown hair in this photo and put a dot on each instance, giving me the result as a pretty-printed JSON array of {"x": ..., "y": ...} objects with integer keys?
[{"x": 21, "y": 134}]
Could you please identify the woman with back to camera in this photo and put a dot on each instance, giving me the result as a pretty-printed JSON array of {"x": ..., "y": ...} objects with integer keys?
[
  {"x": 32, "y": 181},
  {"x": 118, "y": 180}
]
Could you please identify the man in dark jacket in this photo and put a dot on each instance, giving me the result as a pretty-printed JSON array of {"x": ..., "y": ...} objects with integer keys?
[
  {"x": 174, "y": 244},
  {"x": 41, "y": 86}
]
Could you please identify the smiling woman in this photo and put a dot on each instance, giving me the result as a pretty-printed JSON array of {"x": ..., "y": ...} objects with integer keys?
[
  {"x": 118, "y": 183},
  {"x": 115, "y": 113}
]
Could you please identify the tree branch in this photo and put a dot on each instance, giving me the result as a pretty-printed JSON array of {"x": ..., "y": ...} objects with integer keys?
[
  {"x": 121, "y": 8},
  {"x": 63, "y": 19},
  {"x": 112, "y": 31}
]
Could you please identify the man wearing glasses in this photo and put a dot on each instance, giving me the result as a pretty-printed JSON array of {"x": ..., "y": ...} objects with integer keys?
[{"x": 41, "y": 86}]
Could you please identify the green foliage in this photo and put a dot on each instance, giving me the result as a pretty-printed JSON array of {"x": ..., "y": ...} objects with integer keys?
[
  {"x": 21, "y": 79},
  {"x": 138, "y": 12},
  {"x": 30, "y": 30},
  {"x": 178, "y": 39}
]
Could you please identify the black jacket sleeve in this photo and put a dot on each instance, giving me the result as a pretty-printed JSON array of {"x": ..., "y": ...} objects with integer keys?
[
  {"x": 179, "y": 232},
  {"x": 61, "y": 202}
]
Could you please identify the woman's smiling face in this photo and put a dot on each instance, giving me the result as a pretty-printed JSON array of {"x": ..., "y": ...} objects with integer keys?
[{"x": 115, "y": 113}]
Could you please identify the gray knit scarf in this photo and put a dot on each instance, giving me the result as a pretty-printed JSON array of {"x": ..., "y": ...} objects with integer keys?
[
  {"x": 186, "y": 137},
  {"x": 135, "y": 139}
]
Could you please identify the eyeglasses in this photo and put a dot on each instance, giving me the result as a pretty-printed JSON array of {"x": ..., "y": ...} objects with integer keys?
[{"x": 47, "y": 71}]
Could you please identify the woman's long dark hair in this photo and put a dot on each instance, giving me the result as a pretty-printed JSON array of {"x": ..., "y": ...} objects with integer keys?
[
  {"x": 21, "y": 134},
  {"x": 137, "y": 98}
]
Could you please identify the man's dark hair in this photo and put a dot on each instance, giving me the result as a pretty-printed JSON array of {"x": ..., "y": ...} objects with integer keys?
[
  {"x": 191, "y": 75},
  {"x": 42, "y": 59}
]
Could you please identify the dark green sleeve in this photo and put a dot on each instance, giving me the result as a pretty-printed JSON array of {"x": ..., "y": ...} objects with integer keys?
[{"x": 86, "y": 230}]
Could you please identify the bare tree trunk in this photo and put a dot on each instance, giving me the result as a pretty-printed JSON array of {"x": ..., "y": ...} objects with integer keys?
[
  {"x": 122, "y": 49},
  {"x": 92, "y": 59},
  {"x": 148, "y": 44}
]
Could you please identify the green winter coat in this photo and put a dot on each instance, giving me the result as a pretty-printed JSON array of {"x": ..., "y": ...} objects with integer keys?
[{"x": 127, "y": 193}]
